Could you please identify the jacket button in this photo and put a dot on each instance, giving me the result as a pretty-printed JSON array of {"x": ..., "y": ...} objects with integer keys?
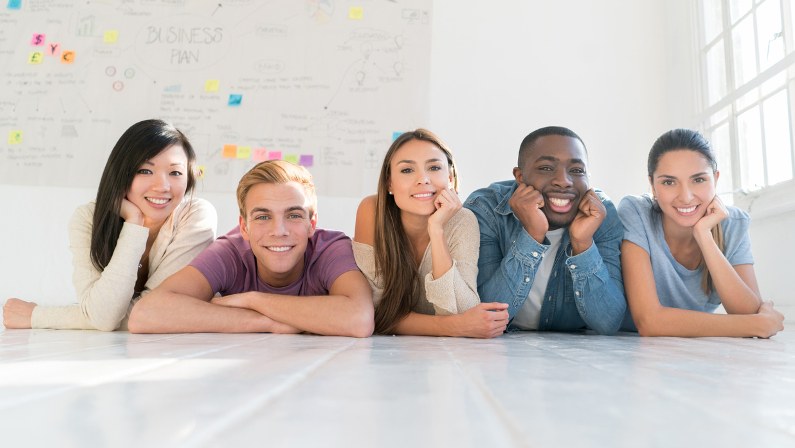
[
  {"x": 535, "y": 254},
  {"x": 572, "y": 267},
  {"x": 526, "y": 279}
]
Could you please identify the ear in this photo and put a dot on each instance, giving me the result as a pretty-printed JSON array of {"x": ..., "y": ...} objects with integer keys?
[
  {"x": 717, "y": 175},
  {"x": 243, "y": 228},
  {"x": 517, "y": 174},
  {"x": 312, "y": 224},
  {"x": 651, "y": 186}
]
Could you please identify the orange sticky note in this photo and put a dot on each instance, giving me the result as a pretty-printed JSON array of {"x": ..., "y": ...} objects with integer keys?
[
  {"x": 67, "y": 57},
  {"x": 14, "y": 137},
  {"x": 243, "y": 152},
  {"x": 212, "y": 85},
  {"x": 292, "y": 158},
  {"x": 260, "y": 155},
  {"x": 230, "y": 152},
  {"x": 110, "y": 36},
  {"x": 36, "y": 57},
  {"x": 356, "y": 13}
]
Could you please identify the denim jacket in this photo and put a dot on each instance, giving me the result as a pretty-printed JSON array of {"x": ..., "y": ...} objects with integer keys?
[{"x": 584, "y": 290}]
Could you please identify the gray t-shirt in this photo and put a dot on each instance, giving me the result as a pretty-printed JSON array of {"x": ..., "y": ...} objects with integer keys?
[{"x": 677, "y": 286}]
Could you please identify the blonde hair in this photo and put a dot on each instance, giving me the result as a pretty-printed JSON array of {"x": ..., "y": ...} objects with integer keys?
[{"x": 276, "y": 172}]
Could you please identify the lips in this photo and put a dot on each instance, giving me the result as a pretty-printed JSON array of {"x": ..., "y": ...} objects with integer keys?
[
  {"x": 424, "y": 195},
  {"x": 158, "y": 202},
  {"x": 686, "y": 210},
  {"x": 560, "y": 204},
  {"x": 279, "y": 248}
]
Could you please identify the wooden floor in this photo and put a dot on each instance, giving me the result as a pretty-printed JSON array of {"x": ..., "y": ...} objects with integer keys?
[{"x": 93, "y": 389}]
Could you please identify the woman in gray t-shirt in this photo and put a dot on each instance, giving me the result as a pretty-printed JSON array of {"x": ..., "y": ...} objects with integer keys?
[{"x": 685, "y": 252}]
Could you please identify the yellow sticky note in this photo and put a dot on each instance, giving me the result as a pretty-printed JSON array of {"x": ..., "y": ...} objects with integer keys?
[
  {"x": 36, "y": 57},
  {"x": 244, "y": 152},
  {"x": 230, "y": 151},
  {"x": 292, "y": 158},
  {"x": 111, "y": 36},
  {"x": 356, "y": 13},
  {"x": 212, "y": 85},
  {"x": 14, "y": 137}
]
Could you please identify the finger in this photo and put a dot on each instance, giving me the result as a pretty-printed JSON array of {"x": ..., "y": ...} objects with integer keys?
[{"x": 494, "y": 306}]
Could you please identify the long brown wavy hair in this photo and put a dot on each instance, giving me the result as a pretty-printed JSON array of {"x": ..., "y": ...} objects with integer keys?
[{"x": 394, "y": 262}]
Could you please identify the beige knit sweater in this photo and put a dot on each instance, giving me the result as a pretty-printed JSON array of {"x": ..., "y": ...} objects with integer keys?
[
  {"x": 106, "y": 297},
  {"x": 454, "y": 292}
]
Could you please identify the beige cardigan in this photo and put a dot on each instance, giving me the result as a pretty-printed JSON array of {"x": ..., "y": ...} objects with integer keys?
[
  {"x": 454, "y": 292},
  {"x": 106, "y": 297}
]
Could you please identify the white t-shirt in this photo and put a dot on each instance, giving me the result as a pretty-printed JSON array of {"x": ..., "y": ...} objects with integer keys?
[{"x": 528, "y": 315}]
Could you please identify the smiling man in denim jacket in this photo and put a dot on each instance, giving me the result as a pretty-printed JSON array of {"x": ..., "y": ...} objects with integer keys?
[{"x": 549, "y": 243}]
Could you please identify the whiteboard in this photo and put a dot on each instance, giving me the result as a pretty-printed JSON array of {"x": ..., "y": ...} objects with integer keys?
[{"x": 323, "y": 83}]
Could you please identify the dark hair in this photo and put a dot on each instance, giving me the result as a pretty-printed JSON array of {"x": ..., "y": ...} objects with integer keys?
[
  {"x": 531, "y": 138},
  {"x": 141, "y": 142},
  {"x": 690, "y": 140},
  {"x": 394, "y": 261},
  {"x": 678, "y": 139}
]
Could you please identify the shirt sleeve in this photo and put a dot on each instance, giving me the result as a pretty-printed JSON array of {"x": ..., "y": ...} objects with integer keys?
[
  {"x": 631, "y": 213},
  {"x": 737, "y": 238},
  {"x": 365, "y": 259},
  {"x": 103, "y": 296},
  {"x": 220, "y": 264},
  {"x": 336, "y": 259},
  {"x": 456, "y": 290}
]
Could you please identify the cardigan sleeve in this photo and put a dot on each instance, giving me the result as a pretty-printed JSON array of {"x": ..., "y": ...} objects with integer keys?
[
  {"x": 103, "y": 296},
  {"x": 456, "y": 291},
  {"x": 365, "y": 259}
]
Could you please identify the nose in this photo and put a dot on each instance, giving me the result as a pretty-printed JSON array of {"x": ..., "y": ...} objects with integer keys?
[
  {"x": 423, "y": 178},
  {"x": 162, "y": 183},
  {"x": 278, "y": 227},
  {"x": 685, "y": 194},
  {"x": 562, "y": 178}
]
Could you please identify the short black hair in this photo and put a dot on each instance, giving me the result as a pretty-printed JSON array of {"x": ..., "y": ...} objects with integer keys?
[{"x": 531, "y": 138}]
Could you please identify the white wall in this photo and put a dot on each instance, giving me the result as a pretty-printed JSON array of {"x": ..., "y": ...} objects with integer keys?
[{"x": 617, "y": 72}]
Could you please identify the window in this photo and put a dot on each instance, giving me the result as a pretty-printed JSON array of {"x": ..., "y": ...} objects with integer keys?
[{"x": 748, "y": 69}]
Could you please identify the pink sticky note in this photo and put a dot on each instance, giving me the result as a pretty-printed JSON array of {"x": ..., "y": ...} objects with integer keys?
[
  {"x": 38, "y": 39},
  {"x": 275, "y": 155},
  {"x": 230, "y": 152},
  {"x": 306, "y": 160},
  {"x": 53, "y": 48},
  {"x": 260, "y": 155}
]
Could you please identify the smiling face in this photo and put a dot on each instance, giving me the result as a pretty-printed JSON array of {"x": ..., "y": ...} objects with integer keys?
[
  {"x": 555, "y": 165},
  {"x": 418, "y": 172},
  {"x": 278, "y": 225},
  {"x": 684, "y": 185},
  {"x": 159, "y": 185}
]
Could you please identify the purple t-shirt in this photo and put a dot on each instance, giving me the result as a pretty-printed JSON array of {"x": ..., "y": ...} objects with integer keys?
[{"x": 230, "y": 266}]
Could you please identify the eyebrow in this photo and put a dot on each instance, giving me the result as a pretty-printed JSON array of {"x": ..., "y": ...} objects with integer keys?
[
  {"x": 149, "y": 162},
  {"x": 555, "y": 159},
  {"x": 668, "y": 176},
  {"x": 289, "y": 209},
  {"x": 412, "y": 162}
]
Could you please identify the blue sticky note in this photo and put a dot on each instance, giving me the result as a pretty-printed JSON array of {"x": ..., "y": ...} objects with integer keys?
[
  {"x": 235, "y": 99},
  {"x": 14, "y": 4},
  {"x": 395, "y": 135}
]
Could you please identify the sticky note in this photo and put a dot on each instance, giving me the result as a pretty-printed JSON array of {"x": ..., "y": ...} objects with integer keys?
[
  {"x": 53, "y": 48},
  {"x": 110, "y": 37},
  {"x": 306, "y": 160},
  {"x": 35, "y": 57},
  {"x": 38, "y": 39},
  {"x": 200, "y": 170},
  {"x": 230, "y": 152},
  {"x": 14, "y": 137},
  {"x": 235, "y": 99},
  {"x": 292, "y": 158},
  {"x": 260, "y": 155},
  {"x": 356, "y": 13},
  {"x": 14, "y": 4},
  {"x": 67, "y": 57},
  {"x": 395, "y": 135},
  {"x": 274, "y": 155},
  {"x": 212, "y": 85},
  {"x": 243, "y": 152}
]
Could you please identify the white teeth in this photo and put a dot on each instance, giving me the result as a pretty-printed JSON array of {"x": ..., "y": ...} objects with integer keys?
[
  {"x": 158, "y": 201},
  {"x": 686, "y": 210},
  {"x": 559, "y": 202},
  {"x": 423, "y": 195},
  {"x": 279, "y": 248}
]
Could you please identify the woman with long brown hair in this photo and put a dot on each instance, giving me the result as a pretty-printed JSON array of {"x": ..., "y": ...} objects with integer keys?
[
  {"x": 143, "y": 226},
  {"x": 419, "y": 248}
]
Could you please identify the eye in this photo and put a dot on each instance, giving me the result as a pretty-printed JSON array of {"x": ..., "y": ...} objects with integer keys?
[
  {"x": 699, "y": 180},
  {"x": 176, "y": 173},
  {"x": 577, "y": 171},
  {"x": 667, "y": 182},
  {"x": 435, "y": 168},
  {"x": 144, "y": 171},
  {"x": 295, "y": 216},
  {"x": 262, "y": 218},
  {"x": 406, "y": 170}
]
